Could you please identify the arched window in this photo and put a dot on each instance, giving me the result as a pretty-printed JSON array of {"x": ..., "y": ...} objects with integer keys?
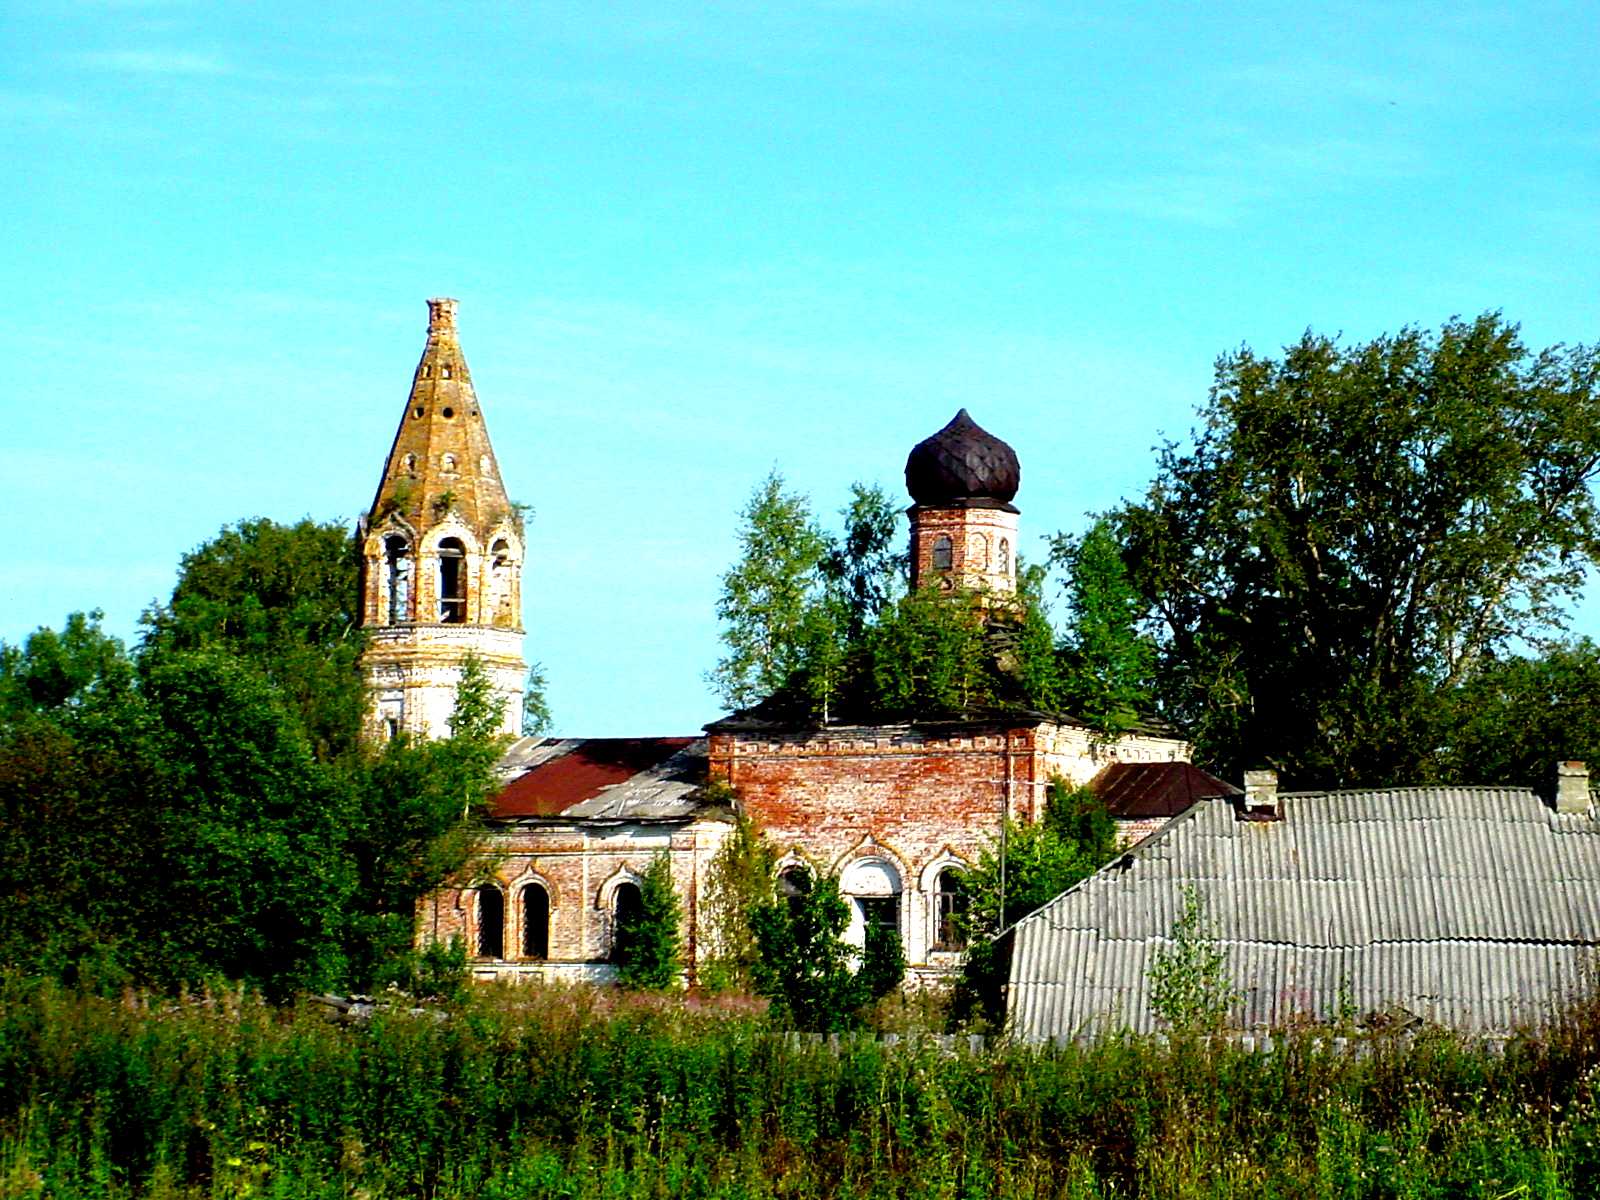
[
  {"x": 500, "y": 584},
  {"x": 627, "y": 909},
  {"x": 491, "y": 922},
  {"x": 397, "y": 572},
  {"x": 979, "y": 552},
  {"x": 1005, "y": 557},
  {"x": 535, "y": 921},
  {"x": 950, "y": 906},
  {"x": 941, "y": 553},
  {"x": 873, "y": 886},
  {"x": 444, "y": 371},
  {"x": 794, "y": 884},
  {"x": 452, "y": 582}
]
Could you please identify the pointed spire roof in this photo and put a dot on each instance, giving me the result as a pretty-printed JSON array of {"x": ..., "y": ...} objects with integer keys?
[{"x": 441, "y": 460}]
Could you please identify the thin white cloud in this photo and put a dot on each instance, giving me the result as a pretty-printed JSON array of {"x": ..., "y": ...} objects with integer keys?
[{"x": 156, "y": 62}]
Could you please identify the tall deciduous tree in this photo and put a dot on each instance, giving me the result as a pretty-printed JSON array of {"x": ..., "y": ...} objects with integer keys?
[
  {"x": 868, "y": 563},
  {"x": 766, "y": 594},
  {"x": 1108, "y": 662},
  {"x": 1517, "y": 717},
  {"x": 287, "y": 598},
  {"x": 206, "y": 806},
  {"x": 1354, "y": 530}
]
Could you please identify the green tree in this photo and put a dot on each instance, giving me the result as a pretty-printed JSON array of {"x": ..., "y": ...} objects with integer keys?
[
  {"x": 1108, "y": 662},
  {"x": 1356, "y": 530},
  {"x": 738, "y": 881},
  {"x": 883, "y": 963},
  {"x": 867, "y": 562},
  {"x": 205, "y": 807},
  {"x": 1516, "y": 717},
  {"x": 287, "y": 598},
  {"x": 766, "y": 594},
  {"x": 803, "y": 966},
  {"x": 79, "y": 816},
  {"x": 535, "y": 705},
  {"x": 649, "y": 947},
  {"x": 1037, "y": 664},
  {"x": 1191, "y": 990},
  {"x": 931, "y": 655},
  {"x": 1025, "y": 867}
]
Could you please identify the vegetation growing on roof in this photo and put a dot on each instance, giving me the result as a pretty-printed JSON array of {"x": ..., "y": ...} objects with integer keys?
[{"x": 822, "y": 627}]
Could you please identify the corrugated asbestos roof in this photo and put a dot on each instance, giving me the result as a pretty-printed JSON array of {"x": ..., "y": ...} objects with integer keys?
[
  {"x": 629, "y": 779},
  {"x": 1159, "y": 789},
  {"x": 1472, "y": 907}
]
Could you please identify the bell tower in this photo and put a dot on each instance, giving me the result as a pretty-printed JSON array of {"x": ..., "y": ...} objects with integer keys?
[
  {"x": 963, "y": 524},
  {"x": 442, "y": 555}
]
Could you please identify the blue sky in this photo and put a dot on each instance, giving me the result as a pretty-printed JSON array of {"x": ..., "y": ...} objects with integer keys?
[{"x": 692, "y": 242}]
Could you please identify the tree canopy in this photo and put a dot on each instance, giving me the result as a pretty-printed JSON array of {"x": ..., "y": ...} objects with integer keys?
[
  {"x": 203, "y": 806},
  {"x": 822, "y": 626},
  {"x": 1355, "y": 533}
]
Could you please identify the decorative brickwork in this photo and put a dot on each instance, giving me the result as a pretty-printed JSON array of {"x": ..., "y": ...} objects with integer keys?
[
  {"x": 914, "y": 800},
  {"x": 568, "y": 873},
  {"x": 442, "y": 554},
  {"x": 972, "y": 548}
]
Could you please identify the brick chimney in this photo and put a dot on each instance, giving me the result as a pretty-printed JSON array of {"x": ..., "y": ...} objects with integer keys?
[
  {"x": 1572, "y": 787},
  {"x": 1261, "y": 795}
]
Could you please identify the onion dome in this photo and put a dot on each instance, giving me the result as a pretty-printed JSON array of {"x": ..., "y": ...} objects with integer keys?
[{"x": 963, "y": 466}]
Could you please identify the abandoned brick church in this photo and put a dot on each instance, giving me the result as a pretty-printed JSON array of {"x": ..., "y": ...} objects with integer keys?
[{"x": 893, "y": 811}]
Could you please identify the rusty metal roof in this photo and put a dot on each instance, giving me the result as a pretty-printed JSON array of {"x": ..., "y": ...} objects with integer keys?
[
  {"x": 599, "y": 778},
  {"x": 1163, "y": 789},
  {"x": 1475, "y": 907}
]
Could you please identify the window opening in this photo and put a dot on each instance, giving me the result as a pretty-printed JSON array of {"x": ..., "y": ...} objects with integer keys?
[
  {"x": 941, "y": 553},
  {"x": 535, "y": 921},
  {"x": 491, "y": 922},
  {"x": 1005, "y": 557},
  {"x": 444, "y": 371},
  {"x": 882, "y": 912},
  {"x": 794, "y": 885},
  {"x": 397, "y": 563},
  {"x": 452, "y": 582},
  {"x": 500, "y": 584},
  {"x": 950, "y": 909},
  {"x": 627, "y": 911}
]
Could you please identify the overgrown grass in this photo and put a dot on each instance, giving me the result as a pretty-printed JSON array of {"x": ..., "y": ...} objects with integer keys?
[{"x": 534, "y": 1093}]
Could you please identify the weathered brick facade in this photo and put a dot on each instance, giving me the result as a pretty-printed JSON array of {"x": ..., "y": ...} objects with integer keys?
[
  {"x": 578, "y": 867},
  {"x": 908, "y": 801},
  {"x": 893, "y": 811}
]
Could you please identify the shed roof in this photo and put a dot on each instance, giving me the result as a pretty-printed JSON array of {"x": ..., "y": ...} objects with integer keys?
[
  {"x": 1158, "y": 789},
  {"x": 601, "y": 778},
  {"x": 1475, "y": 907}
]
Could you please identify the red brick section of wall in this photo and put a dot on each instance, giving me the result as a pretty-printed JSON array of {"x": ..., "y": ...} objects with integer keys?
[{"x": 914, "y": 796}]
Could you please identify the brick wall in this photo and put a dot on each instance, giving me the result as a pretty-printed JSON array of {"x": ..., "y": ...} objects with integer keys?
[
  {"x": 914, "y": 800},
  {"x": 578, "y": 867}
]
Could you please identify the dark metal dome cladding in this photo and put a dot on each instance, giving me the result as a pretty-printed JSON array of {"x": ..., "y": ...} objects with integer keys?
[{"x": 963, "y": 465}]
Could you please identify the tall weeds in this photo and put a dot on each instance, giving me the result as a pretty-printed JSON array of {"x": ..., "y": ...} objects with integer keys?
[{"x": 567, "y": 1093}]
